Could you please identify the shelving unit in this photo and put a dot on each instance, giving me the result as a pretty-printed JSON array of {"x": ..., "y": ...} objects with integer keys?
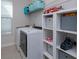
[
  {"x": 48, "y": 21},
  {"x": 63, "y": 55},
  {"x": 65, "y": 31},
  {"x": 71, "y": 52},
  {"x": 48, "y": 48},
  {"x": 56, "y": 27},
  {"x": 48, "y": 28},
  {"x": 61, "y": 37},
  {"x": 48, "y": 35},
  {"x": 45, "y": 57},
  {"x": 50, "y": 43},
  {"x": 48, "y": 55}
]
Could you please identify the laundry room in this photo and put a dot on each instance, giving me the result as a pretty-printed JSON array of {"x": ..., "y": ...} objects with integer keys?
[{"x": 39, "y": 29}]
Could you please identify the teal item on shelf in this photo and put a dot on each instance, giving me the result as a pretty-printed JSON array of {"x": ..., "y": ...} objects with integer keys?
[
  {"x": 36, "y": 5},
  {"x": 31, "y": 7},
  {"x": 26, "y": 10}
]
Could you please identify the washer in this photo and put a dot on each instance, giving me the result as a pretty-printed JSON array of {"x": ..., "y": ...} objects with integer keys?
[{"x": 30, "y": 43}]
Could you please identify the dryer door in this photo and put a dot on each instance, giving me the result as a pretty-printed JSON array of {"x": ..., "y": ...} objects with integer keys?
[{"x": 23, "y": 42}]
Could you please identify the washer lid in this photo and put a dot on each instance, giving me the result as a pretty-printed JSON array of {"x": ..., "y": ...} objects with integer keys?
[{"x": 30, "y": 30}]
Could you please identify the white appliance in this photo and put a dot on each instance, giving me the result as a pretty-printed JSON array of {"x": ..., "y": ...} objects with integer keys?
[
  {"x": 30, "y": 43},
  {"x": 18, "y": 29}
]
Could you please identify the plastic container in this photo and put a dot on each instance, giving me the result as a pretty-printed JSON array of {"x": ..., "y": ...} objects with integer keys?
[{"x": 69, "y": 23}]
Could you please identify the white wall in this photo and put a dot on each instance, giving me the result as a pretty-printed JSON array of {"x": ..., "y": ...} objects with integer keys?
[
  {"x": 35, "y": 18},
  {"x": 19, "y": 19}
]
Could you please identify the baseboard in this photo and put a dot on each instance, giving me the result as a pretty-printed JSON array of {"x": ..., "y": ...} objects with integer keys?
[{"x": 7, "y": 45}]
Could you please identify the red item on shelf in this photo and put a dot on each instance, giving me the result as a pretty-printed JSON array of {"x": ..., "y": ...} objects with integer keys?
[
  {"x": 49, "y": 39},
  {"x": 51, "y": 10}
]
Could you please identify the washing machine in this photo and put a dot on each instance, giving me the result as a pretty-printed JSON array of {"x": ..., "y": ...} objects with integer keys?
[
  {"x": 30, "y": 43},
  {"x": 17, "y": 35}
]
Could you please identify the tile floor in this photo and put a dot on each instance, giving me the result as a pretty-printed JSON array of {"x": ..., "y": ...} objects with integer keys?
[{"x": 10, "y": 53}]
